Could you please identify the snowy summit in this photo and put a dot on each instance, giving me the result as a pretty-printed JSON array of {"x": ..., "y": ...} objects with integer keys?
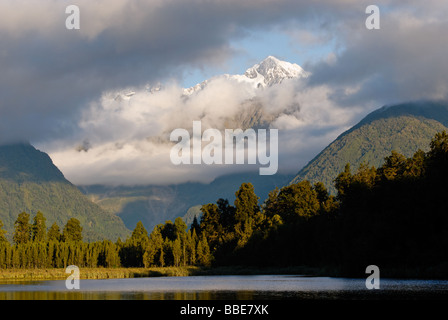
[
  {"x": 273, "y": 71},
  {"x": 268, "y": 72}
]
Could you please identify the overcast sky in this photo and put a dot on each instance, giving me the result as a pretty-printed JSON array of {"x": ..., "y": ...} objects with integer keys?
[{"x": 56, "y": 84}]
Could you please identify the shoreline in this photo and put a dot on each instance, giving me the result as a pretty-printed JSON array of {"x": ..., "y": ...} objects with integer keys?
[
  {"x": 92, "y": 273},
  {"x": 122, "y": 273},
  {"x": 18, "y": 275}
]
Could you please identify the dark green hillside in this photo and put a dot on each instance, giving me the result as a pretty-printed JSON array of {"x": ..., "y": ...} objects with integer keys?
[
  {"x": 404, "y": 128},
  {"x": 30, "y": 182},
  {"x": 23, "y": 163}
]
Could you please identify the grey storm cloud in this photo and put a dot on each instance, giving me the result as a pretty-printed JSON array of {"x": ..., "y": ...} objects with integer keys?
[
  {"x": 49, "y": 73},
  {"x": 404, "y": 60}
]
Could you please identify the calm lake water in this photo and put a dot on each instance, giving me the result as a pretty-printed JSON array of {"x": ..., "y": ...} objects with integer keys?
[{"x": 227, "y": 287}]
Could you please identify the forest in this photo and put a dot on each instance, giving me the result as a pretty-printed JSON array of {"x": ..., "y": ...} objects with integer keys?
[{"x": 393, "y": 216}]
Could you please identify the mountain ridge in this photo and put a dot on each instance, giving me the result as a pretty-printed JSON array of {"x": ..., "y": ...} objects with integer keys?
[
  {"x": 268, "y": 72},
  {"x": 404, "y": 127},
  {"x": 30, "y": 182},
  {"x": 29, "y": 167}
]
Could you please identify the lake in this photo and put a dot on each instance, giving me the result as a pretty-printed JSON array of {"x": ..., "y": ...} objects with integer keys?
[{"x": 248, "y": 287}]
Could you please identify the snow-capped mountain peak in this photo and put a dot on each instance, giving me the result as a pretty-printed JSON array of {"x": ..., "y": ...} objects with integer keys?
[
  {"x": 271, "y": 71},
  {"x": 268, "y": 72},
  {"x": 274, "y": 71}
]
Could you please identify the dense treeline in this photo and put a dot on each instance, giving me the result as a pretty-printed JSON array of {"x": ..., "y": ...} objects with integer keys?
[
  {"x": 169, "y": 244},
  {"x": 35, "y": 247},
  {"x": 392, "y": 216}
]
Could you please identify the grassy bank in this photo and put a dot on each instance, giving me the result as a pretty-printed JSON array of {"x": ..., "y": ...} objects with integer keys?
[
  {"x": 116, "y": 273},
  {"x": 94, "y": 273}
]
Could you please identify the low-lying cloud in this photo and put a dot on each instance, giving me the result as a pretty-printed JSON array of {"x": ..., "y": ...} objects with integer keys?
[{"x": 124, "y": 137}]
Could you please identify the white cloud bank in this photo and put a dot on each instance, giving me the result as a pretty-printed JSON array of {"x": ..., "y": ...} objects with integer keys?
[{"x": 124, "y": 137}]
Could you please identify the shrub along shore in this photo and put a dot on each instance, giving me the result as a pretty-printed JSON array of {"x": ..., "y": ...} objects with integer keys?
[{"x": 93, "y": 273}]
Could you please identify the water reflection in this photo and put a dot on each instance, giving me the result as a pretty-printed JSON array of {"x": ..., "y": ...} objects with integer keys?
[
  {"x": 225, "y": 287},
  {"x": 57, "y": 295}
]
